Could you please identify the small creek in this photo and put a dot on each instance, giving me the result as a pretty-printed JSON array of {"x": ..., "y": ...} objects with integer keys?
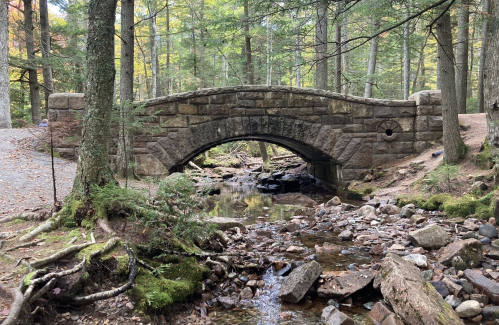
[{"x": 267, "y": 307}]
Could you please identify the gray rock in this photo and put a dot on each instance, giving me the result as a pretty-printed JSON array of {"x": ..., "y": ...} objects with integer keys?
[
  {"x": 389, "y": 209},
  {"x": 227, "y": 302},
  {"x": 226, "y": 223},
  {"x": 428, "y": 274},
  {"x": 452, "y": 301},
  {"x": 332, "y": 316},
  {"x": 469, "y": 308},
  {"x": 431, "y": 237},
  {"x": 487, "y": 230},
  {"x": 490, "y": 313},
  {"x": 343, "y": 286},
  {"x": 405, "y": 289},
  {"x": 484, "y": 285},
  {"x": 407, "y": 211},
  {"x": 479, "y": 185},
  {"x": 295, "y": 286},
  {"x": 366, "y": 210},
  {"x": 417, "y": 259},
  {"x": 417, "y": 219},
  {"x": 441, "y": 288},
  {"x": 345, "y": 235},
  {"x": 461, "y": 254},
  {"x": 333, "y": 202}
]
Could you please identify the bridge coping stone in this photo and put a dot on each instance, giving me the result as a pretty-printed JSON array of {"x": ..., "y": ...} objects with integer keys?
[{"x": 340, "y": 135}]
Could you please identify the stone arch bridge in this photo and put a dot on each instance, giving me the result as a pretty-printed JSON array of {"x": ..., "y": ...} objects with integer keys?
[{"x": 341, "y": 137}]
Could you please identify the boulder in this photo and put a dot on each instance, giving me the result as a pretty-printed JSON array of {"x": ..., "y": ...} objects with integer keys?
[
  {"x": 366, "y": 210},
  {"x": 469, "y": 252},
  {"x": 468, "y": 308},
  {"x": 298, "y": 282},
  {"x": 406, "y": 290},
  {"x": 490, "y": 313},
  {"x": 294, "y": 198},
  {"x": 345, "y": 235},
  {"x": 383, "y": 315},
  {"x": 295, "y": 249},
  {"x": 227, "y": 302},
  {"x": 487, "y": 230},
  {"x": 417, "y": 219},
  {"x": 389, "y": 209},
  {"x": 333, "y": 202},
  {"x": 430, "y": 237},
  {"x": 226, "y": 223},
  {"x": 238, "y": 205},
  {"x": 417, "y": 259},
  {"x": 484, "y": 285},
  {"x": 407, "y": 211},
  {"x": 332, "y": 316},
  {"x": 246, "y": 293},
  {"x": 344, "y": 286}
]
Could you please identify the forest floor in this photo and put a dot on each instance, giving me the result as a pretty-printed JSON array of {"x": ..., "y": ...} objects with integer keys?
[{"x": 26, "y": 184}]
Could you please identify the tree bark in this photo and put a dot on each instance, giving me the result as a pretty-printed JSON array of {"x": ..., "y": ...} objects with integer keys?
[
  {"x": 168, "y": 49},
  {"x": 5, "y": 121},
  {"x": 337, "y": 58},
  {"x": 321, "y": 72},
  {"x": 202, "y": 73},
  {"x": 250, "y": 74},
  {"x": 491, "y": 78},
  {"x": 93, "y": 165},
  {"x": 34, "y": 87},
  {"x": 269, "y": 52},
  {"x": 154, "y": 49},
  {"x": 407, "y": 60},
  {"x": 462, "y": 56},
  {"x": 452, "y": 138},
  {"x": 263, "y": 152},
  {"x": 125, "y": 157},
  {"x": 371, "y": 67},
  {"x": 297, "y": 58},
  {"x": 48, "y": 82},
  {"x": 481, "y": 64},
  {"x": 345, "y": 57}
]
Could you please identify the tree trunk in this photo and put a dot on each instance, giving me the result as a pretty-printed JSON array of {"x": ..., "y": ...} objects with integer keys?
[
  {"x": 93, "y": 165},
  {"x": 201, "y": 50},
  {"x": 491, "y": 79},
  {"x": 168, "y": 49},
  {"x": 48, "y": 82},
  {"x": 125, "y": 158},
  {"x": 452, "y": 138},
  {"x": 337, "y": 58},
  {"x": 321, "y": 54},
  {"x": 269, "y": 52},
  {"x": 462, "y": 56},
  {"x": 154, "y": 49},
  {"x": 5, "y": 122},
  {"x": 279, "y": 74},
  {"x": 263, "y": 152},
  {"x": 345, "y": 57},
  {"x": 297, "y": 59},
  {"x": 371, "y": 67},
  {"x": 250, "y": 74},
  {"x": 471, "y": 46},
  {"x": 407, "y": 61},
  {"x": 481, "y": 65},
  {"x": 34, "y": 87}
]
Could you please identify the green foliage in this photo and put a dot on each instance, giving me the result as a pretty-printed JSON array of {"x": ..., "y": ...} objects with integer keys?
[
  {"x": 472, "y": 105},
  {"x": 441, "y": 179}
]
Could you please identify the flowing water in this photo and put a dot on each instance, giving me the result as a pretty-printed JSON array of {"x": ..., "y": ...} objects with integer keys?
[{"x": 266, "y": 309}]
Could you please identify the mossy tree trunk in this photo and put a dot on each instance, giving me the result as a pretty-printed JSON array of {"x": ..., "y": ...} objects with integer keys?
[
  {"x": 491, "y": 79},
  {"x": 93, "y": 165}
]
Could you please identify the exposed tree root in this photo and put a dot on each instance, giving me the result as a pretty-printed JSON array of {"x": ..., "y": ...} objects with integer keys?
[
  {"x": 17, "y": 306},
  {"x": 33, "y": 243},
  {"x": 224, "y": 239},
  {"x": 238, "y": 236},
  {"x": 64, "y": 252},
  {"x": 112, "y": 293},
  {"x": 9, "y": 234},
  {"x": 104, "y": 224},
  {"x": 48, "y": 225},
  {"x": 28, "y": 216},
  {"x": 211, "y": 263},
  {"x": 109, "y": 245}
]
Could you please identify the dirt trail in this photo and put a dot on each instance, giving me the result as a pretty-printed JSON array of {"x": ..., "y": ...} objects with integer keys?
[{"x": 25, "y": 175}]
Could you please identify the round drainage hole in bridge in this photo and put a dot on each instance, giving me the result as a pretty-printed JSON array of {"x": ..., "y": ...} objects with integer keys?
[{"x": 389, "y": 132}]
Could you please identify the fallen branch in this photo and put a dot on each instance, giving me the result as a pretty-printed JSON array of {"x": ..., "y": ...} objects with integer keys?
[
  {"x": 28, "y": 216},
  {"x": 238, "y": 236},
  {"x": 283, "y": 157},
  {"x": 110, "y": 244},
  {"x": 212, "y": 263},
  {"x": 195, "y": 166},
  {"x": 48, "y": 225},
  {"x": 64, "y": 252},
  {"x": 9, "y": 234},
  {"x": 224, "y": 239},
  {"x": 112, "y": 293},
  {"x": 17, "y": 305},
  {"x": 33, "y": 243}
]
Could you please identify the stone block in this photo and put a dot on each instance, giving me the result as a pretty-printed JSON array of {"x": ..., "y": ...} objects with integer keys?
[
  {"x": 354, "y": 174},
  {"x": 255, "y": 125},
  {"x": 196, "y": 119},
  {"x": 406, "y": 123},
  {"x": 352, "y": 128},
  {"x": 435, "y": 123},
  {"x": 59, "y": 101},
  {"x": 276, "y": 95},
  {"x": 420, "y": 146},
  {"x": 275, "y": 125},
  {"x": 336, "y": 119},
  {"x": 371, "y": 125},
  {"x": 287, "y": 127},
  {"x": 299, "y": 100},
  {"x": 362, "y": 158},
  {"x": 282, "y": 103},
  {"x": 237, "y": 112},
  {"x": 435, "y": 97},
  {"x": 264, "y": 103},
  {"x": 305, "y": 111},
  {"x": 296, "y": 285},
  {"x": 437, "y": 110},
  {"x": 381, "y": 148},
  {"x": 311, "y": 118},
  {"x": 320, "y": 110},
  {"x": 274, "y": 111},
  {"x": 245, "y": 103},
  {"x": 379, "y": 312},
  {"x": 401, "y": 147},
  {"x": 52, "y": 115},
  {"x": 223, "y": 99},
  {"x": 187, "y": 109},
  {"x": 384, "y": 111},
  {"x": 425, "y": 136},
  {"x": 67, "y": 116},
  {"x": 149, "y": 165},
  {"x": 76, "y": 101},
  {"x": 200, "y": 100},
  {"x": 265, "y": 124},
  {"x": 380, "y": 159},
  {"x": 420, "y": 98},
  {"x": 424, "y": 110},
  {"x": 340, "y": 107},
  {"x": 406, "y": 136},
  {"x": 407, "y": 111},
  {"x": 421, "y": 124},
  {"x": 250, "y": 95},
  {"x": 314, "y": 131},
  {"x": 68, "y": 153},
  {"x": 218, "y": 109},
  {"x": 174, "y": 122},
  {"x": 162, "y": 109},
  {"x": 139, "y": 151},
  {"x": 361, "y": 110},
  {"x": 255, "y": 111},
  {"x": 290, "y": 112}
]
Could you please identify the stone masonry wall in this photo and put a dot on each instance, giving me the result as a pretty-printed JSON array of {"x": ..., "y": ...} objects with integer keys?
[{"x": 342, "y": 137}]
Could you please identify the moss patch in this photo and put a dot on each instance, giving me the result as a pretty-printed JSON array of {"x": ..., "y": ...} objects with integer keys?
[
  {"x": 435, "y": 202},
  {"x": 175, "y": 284},
  {"x": 484, "y": 158},
  {"x": 462, "y": 207}
]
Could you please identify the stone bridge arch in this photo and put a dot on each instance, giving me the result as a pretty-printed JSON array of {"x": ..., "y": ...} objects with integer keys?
[{"x": 341, "y": 137}]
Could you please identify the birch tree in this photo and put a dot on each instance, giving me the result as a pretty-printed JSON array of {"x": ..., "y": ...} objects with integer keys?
[{"x": 5, "y": 122}]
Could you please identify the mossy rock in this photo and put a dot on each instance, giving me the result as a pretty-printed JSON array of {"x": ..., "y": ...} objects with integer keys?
[
  {"x": 484, "y": 158},
  {"x": 435, "y": 202},
  {"x": 175, "y": 285},
  {"x": 462, "y": 207}
]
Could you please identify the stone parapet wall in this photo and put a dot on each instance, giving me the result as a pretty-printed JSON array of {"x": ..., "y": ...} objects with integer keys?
[{"x": 343, "y": 137}]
